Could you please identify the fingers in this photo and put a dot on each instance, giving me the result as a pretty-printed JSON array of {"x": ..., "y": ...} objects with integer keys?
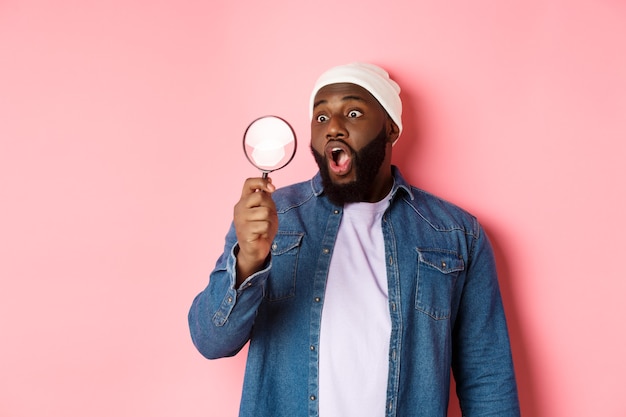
[
  {"x": 255, "y": 223},
  {"x": 253, "y": 185},
  {"x": 256, "y": 201},
  {"x": 255, "y": 218}
]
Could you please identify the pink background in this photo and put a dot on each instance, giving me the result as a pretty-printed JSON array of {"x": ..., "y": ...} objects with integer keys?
[{"x": 120, "y": 161}]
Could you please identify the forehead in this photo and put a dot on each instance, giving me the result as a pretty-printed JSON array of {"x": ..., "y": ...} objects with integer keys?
[{"x": 344, "y": 91}]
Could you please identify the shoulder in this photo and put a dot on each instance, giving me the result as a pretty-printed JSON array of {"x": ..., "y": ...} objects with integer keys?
[
  {"x": 441, "y": 214},
  {"x": 294, "y": 195},
  {"x": 437, "y": 212}
]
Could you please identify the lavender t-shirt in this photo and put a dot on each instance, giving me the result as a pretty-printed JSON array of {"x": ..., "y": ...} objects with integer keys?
[{"x": 356, "y": 326}]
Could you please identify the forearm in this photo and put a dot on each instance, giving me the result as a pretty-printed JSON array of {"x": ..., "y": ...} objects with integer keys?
[
  {"x": 482, "y": 362},
  {"x": 221, "y": 317}
]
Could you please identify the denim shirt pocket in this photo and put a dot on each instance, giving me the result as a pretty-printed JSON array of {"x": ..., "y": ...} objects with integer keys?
[
  {"x": 437, "y": 270},
  {"x": 281, "y": 282}
]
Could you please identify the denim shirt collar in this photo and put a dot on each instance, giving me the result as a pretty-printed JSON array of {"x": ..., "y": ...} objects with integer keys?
[{"x": 398, "y": 184}]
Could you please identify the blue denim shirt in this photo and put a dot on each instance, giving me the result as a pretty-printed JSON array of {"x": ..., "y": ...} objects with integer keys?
[{"x": 444, "y": 301}]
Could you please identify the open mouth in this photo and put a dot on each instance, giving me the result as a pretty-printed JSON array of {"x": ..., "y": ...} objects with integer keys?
[{"x": 339, "y": 157}]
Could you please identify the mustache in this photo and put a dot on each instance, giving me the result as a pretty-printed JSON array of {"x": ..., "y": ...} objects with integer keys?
[{"x": 343, "y": 142}]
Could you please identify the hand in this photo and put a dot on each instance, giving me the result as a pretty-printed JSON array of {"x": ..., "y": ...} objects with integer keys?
[{"x": 256, "y": 224}]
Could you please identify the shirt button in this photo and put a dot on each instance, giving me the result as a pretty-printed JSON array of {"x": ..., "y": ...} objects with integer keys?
[
  {"x": 230, "y": 300},
  {"x": 274, "y": 246},
  {"x": 336, "y": 211},
  {"x": 312, "y": 397},
  {"x": 317, "y": 299},
  {"x": 312, "y": 347},
  {"x": 326, "y": 251},
  {"x": 443, "y": 264}
]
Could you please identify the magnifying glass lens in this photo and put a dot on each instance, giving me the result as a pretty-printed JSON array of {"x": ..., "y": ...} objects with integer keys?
[{"x": 269, "y": 143}]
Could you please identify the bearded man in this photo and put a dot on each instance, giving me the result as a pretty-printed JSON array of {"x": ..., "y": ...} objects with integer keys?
[{"x": 357, "y": 292}]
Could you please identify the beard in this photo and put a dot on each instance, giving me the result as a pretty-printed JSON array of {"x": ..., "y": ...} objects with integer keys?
[{"x": 367, "y": 162}]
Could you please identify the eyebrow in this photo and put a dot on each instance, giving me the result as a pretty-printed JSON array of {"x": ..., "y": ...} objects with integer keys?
[{"x": 344, "y": 98}]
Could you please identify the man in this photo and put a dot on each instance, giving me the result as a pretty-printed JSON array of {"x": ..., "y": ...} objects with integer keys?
[{"x": 358, "y": 292}]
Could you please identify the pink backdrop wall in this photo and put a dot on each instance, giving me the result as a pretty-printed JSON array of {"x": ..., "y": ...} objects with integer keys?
[{"x": 120, "y": 161}]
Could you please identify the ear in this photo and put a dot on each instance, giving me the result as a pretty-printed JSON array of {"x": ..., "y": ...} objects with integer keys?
[{"x": 392, "y": 130}]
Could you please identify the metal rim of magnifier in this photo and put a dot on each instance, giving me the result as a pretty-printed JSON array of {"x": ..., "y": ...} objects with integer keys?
[{"x": 295, "y": 144}]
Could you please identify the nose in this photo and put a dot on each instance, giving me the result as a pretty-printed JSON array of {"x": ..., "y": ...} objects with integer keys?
[{"x": 336, "y": 129}]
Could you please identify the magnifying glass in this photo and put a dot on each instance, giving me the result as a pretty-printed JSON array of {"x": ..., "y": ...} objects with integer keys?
[{"x": 269, "y": 143}]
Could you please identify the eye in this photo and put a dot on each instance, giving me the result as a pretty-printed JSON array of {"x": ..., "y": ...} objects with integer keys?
[
  {"x": 354, "y": 113},
  {"x": 322, "y": 118}
]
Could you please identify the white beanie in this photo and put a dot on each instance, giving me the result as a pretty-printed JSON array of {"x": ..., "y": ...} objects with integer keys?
[{"x": 371, "y": 77}]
